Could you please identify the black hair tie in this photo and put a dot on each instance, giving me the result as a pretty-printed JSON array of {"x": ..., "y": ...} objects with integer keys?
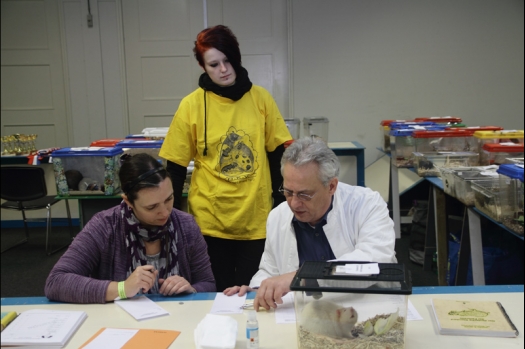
[{"x": 142, "y": 177}]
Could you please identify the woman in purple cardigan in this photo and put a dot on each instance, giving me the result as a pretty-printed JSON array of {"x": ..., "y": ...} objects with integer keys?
[{"x": 142, "y": 245}]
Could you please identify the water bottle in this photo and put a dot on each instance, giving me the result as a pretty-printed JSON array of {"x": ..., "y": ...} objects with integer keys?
[{"x": 252, "y": 331}]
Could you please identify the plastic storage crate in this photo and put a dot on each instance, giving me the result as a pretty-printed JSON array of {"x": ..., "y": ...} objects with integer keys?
[
  {"x": 385, "y": 132},
  {"x": 384, "y": 128},
  {"x": 428, "y": 164},
  {"x": 100, "y": 165},
  {"x": 518, "y": 161},
  {"x": 335, "y": 309},
  {"x": 451, "y": 140},
  {"x": 457, "y": 181},
  {"x": 402, "y": 146},
  {"x": 316, "y": 127},
  {"x": 501, "y": 136},
  {"x": 487, "y": 197},
  {"x": 512, "y": 188},
  {"x": 294, "y": 126},
  {"x": 496, "y": 153}
]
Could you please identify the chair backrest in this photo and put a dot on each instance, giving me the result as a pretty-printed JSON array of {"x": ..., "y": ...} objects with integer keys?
[{"x": 23, "y": 183}]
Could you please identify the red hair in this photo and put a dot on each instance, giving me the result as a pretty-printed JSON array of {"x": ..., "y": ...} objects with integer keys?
[{"x": 221, "y": 38}]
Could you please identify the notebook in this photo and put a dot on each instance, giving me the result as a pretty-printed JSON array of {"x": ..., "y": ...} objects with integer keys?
[{"x": 43, "y": 328}]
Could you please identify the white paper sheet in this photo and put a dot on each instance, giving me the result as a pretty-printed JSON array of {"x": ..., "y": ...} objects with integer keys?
[
  {"x": 111, "y": 338},
  {"x": 141, "y": 308},
  {"x": 227, "y": 304},
  {"x": 285, "y": 313},
  {"x": 412, "y": 314}
]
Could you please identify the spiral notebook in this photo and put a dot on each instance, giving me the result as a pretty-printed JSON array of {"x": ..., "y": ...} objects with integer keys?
[{"x": 42, "y": 328}]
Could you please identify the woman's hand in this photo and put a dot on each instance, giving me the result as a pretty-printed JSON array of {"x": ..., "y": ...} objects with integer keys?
[
  {"x": 241, "y": 290},
  {"x": 143, "y": 278},
  {"x": 175, "y": 284}
]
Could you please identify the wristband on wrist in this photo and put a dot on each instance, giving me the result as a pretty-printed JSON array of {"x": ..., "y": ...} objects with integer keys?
[{"x": 121, "y": 290}]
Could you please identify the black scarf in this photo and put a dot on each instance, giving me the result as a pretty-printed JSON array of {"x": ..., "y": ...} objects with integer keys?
[{"x": 233, "y": 92}]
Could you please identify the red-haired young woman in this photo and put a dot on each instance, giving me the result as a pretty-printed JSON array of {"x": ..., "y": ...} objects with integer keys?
[{"x": 235, "y": 134}]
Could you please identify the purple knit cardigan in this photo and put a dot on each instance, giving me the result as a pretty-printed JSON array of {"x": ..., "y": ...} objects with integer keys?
[{"x": 98, "y": 255}]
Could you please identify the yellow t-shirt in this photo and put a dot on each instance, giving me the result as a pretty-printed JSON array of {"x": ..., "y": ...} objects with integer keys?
[{"x": 230, "y": 190}]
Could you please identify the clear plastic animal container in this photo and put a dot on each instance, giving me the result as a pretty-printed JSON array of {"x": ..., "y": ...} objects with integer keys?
[
  {"x": 487, "y": 197},
  {"x": 512, "y": 188},
  {"x": 294, "y": 126},
  {"x": 316, "y": 127},
  {"x": 518, "y": 161},
  {"x": 334, "y": 308},
  {"x": 402, "y": 146},
  {"x": 384, "y": 127},
  {"x": 453, "y": 140},
  {"x": 429, "y": 164},
  {"x": 501, "y": 136},
  {"x": 388, "y": 125},
  {"x": 457, "y": 181},
  {"x": 99, "y": 165},
  {"x": 496, "y": 153}
]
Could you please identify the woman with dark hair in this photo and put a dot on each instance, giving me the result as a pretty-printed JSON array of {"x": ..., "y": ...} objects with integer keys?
[
  {"x": 235, "y": 134},
  {"x": 141, "y": 245}
]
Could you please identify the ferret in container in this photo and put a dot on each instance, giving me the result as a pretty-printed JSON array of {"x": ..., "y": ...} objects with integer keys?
[{"x": 328, "y": 319}]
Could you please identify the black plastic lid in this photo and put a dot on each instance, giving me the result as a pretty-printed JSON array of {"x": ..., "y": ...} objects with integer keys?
[{"x": 393, "y": 278}]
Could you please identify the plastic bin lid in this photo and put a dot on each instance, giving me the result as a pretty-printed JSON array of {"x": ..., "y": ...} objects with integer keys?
[
  {"x": 388, "y": 122},
  {"x": 87, "y": 151},
  {"x": 397, "y": 124},
  {"x": 440, "y": 119},
  {"x": 393, "y": 278},
  {"x": 316, "y": 119},
  {"x": 499, "y": 134},
  {"x": 108, "y": 142},
  {"x": 477, "y": 128},
  {"x": 402, "y": 132},
  {"x": 136, "y": 136},
  {"x": 456, "y": 132},
  {"x": 140, "y": 143},
  {"x": 511, "y": 170},
  {"x": 503, "y": 147}
]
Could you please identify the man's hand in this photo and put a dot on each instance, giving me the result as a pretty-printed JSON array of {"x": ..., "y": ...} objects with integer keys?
[
  {"x": 242, "y": 290},
  {"x": 272, "y": 290}
]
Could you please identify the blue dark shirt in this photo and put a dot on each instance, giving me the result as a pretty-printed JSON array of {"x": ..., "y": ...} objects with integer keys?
[{"x": 312, "y": 244}]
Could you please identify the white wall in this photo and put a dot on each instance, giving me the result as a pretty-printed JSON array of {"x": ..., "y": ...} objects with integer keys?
[{"x": 359, "y": 62}]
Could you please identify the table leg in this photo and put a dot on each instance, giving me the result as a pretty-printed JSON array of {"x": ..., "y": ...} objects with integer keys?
[
  {"x": 476, "y": 248},
  {"x": 441, "y": 235},
  {"x": 394, "y": 195},
  {"x": 464, "y": 253}
]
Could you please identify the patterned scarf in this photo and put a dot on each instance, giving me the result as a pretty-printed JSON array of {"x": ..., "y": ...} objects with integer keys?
[{"x": 136, "y": 234}]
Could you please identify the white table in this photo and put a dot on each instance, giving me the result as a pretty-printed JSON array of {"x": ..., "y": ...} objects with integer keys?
[{"x": 187, "y": 311}]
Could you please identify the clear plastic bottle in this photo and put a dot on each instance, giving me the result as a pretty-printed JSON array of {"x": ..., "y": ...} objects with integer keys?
[{"x": 252, "y": 331}]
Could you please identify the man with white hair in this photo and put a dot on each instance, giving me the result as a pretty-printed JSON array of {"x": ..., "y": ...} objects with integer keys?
[{"x": 322, "y": 219}]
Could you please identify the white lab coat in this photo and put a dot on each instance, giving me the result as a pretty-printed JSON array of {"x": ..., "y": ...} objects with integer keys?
[{"x": 358, "y": 228}]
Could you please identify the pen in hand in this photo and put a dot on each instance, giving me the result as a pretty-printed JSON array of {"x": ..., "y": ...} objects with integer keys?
[{"x": 142, "y": 291}]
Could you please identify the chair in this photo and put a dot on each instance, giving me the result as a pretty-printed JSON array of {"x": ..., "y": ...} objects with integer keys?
[{"x": 24, "y": 188}]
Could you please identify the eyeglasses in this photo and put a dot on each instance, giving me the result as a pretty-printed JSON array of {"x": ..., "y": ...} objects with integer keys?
[{"x": 301, "y": 196}]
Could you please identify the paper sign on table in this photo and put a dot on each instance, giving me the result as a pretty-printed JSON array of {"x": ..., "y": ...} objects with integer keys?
[
  {"x": 141, "y": 308},
  {"x": 285, "y": 313},
  {"x": 227, "y": 304}
]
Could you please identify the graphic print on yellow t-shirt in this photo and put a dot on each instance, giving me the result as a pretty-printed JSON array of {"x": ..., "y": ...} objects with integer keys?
[{"x": 237, "y": 156}]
